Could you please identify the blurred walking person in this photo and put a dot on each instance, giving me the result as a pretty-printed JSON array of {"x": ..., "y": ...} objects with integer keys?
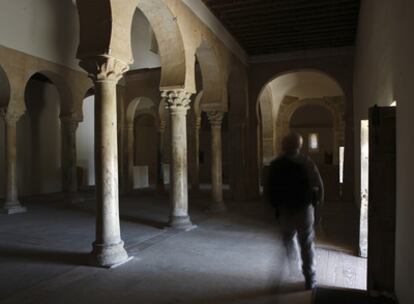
[{"x": 295, "y": 189}]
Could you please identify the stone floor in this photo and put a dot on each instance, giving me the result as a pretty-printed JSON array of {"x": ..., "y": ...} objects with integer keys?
[{"x": 236, "y": 257}]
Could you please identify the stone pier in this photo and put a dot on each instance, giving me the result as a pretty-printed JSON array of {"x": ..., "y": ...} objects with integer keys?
[
  {"x": 12, "y": 204},
  {"x": 216, "y": 118},
  {"x": 108, "y": 248},
  {"x": 178, "y": 103}
]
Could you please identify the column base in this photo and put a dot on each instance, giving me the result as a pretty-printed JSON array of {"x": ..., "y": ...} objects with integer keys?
[
  {"x": 108, "y": 256},
  {"x": 217, "y": 207},
  {"x": 181, "y": 223},
  {"x": 12, "y": 208}
]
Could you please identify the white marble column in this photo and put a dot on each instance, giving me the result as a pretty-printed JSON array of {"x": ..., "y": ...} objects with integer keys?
[
  {"x": 69, "y": 174},
  {"x": 108, "y": 248},
  {"x": 130, "y": 152},
  {"x": 178, "y": 103},
  {"x": 160, "y": 151},
  {"x": 12, "y": 204},
  {"x": 216, "y": 119}
]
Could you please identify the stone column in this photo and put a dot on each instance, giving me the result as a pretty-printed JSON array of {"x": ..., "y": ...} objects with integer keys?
[
  {"x": 160, "y": 150},
  {"x": 178, "y": 104},
  {"x": 130, "y": 143},
  {"x": 216, "y": 118},
  {"x": 108, "y": 248},
  {"x": 69, "y": 174},
  {"x": 12, "y": 204},
  {"x": 196, "y": 177}
]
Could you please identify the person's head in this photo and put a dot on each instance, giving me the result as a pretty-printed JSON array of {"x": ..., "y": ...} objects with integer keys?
[{"x": 292, "y": 143}]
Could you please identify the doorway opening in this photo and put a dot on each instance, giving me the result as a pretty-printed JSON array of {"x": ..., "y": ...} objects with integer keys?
[{"x": 363, "y": 225}]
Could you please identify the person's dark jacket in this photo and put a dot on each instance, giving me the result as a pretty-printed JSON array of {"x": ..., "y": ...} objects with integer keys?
[{"x": 294, "y": 182}]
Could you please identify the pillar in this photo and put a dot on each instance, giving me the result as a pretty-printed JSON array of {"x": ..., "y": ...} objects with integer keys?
[
  {"x": 108, "y": 248},
  {"x": 196, "y": 175},
  {"x": 216, "y": 118},
  {"x": 12, "y": 204},
  {"x": 69, "y": 174},
  {"x": 160, "y": 148},
  {"x": 178, "y": 102},
  {"x": 130, "y": 152}
]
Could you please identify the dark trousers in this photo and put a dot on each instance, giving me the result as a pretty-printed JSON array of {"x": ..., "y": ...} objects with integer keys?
[{"x": 299, "y": 223}]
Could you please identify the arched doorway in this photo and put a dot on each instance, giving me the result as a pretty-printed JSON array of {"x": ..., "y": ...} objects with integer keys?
[
  {"x": 142, "y": 146},
  {"x": 145, "y": 150},
  {"x": 4, "y": 101},
  {"x": 85, "y": 143},
  {"x": 39, "y": 138}
]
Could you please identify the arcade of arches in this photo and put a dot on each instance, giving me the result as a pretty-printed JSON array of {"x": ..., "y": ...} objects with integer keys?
[{"x": 149, "y": 116}]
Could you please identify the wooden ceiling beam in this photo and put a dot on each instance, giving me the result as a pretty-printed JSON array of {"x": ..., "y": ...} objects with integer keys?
[{"x": 338, "y": 30}]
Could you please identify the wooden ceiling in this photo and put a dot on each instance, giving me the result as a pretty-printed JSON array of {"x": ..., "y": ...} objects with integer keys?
[{"x": 275, "y": 26}]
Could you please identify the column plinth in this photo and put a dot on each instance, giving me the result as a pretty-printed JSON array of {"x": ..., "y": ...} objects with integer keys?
[
  {"x": 12, "y": 204},
  {"x": 216, "y": 119},
  {"x": 178, "y": 104},
  {"x": 108, "y": 248}
]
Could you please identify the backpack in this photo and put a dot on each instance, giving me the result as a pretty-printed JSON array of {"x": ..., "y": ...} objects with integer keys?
[{"x": 289, "y": 184}]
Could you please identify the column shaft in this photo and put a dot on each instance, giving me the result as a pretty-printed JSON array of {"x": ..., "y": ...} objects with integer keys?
[
  {"x": 160, "y": 168},
  {"x": 178, "y": 104},
  {"x": 130, "y": 143},
  {"x": 216, "y": 119},
  {"x": 108, "y": 248},
  {"x": 69, "y": 174},
  {"x": 196, "y": 177},
  {"x": 12, "y": 204}
]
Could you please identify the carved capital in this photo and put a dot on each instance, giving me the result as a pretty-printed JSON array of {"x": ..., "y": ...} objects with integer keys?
[
  {"x": 177, "y": 100},
  {"x": 198, "y": 122},
  {"x": 104, "y": 68},
  {"x": 3, "y": 112},
  {"x": 69, "y": 123},
  {"x": 10, "y": 118},
  {"x": 163, "y": 125},
  {"x": 215, "y": 118}
]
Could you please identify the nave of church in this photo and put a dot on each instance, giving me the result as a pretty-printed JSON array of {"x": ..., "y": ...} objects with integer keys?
[{"x": 136, "y": 138}]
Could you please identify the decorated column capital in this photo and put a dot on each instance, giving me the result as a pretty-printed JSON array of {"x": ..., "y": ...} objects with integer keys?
[
  {"x": 198, "y": 122},
  {"x": 104, "y": 68},
  {"x": 177, "y": 100},
  {"x": 69, "y": 122},
  {"x": 10, "y": 119},
  {"x": 215, "y": 118},
  {"x": 163, "y": 125}
]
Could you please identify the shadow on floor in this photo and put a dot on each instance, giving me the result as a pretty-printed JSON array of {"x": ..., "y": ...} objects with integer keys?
[
  {"x": 265, "y": 295},
  {"x": 44, "y": 256},
  {"x": 348, "y": 296},
  {"x": 144, "y": 221}
]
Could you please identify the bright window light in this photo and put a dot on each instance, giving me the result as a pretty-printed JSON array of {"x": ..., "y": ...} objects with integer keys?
[
  {"x": 341, "y": 164},
  {"x": 313, "y": 142},
  {"x": 394, "y": 103}
]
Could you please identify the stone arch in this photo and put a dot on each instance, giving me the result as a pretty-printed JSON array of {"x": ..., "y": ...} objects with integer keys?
[
  {"x": 212, "y": 79},
  {"x": 67, "y": 108},
  {"x": 167, "y": 33},
  {"x": 102, "y": 33},
  {"x": 5, "y": 90},
  {"x": 277, "y": 92},
  {"x": 335, "y": 105},
  {"x": 136, "y": 106}
]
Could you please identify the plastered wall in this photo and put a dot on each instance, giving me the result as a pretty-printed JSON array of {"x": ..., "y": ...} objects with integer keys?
[{"x": 383, "y": 72}]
